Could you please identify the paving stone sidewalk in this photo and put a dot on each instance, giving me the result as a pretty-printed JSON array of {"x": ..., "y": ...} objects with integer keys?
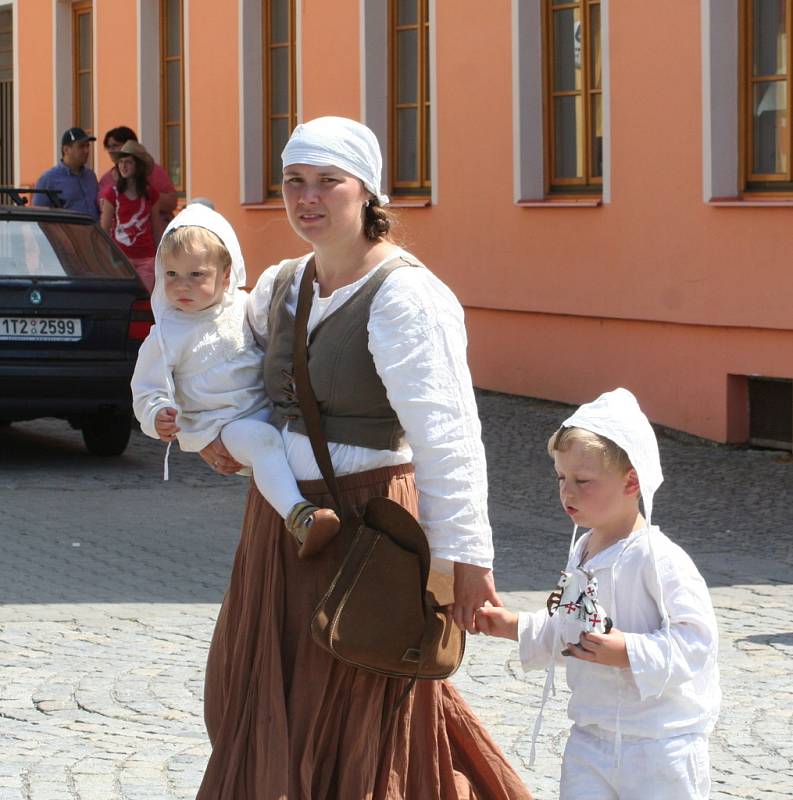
[{"x": 110, "y": 582}]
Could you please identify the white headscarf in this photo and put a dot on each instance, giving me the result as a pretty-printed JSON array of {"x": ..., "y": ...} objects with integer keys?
[{"x": 338, "y": 142}]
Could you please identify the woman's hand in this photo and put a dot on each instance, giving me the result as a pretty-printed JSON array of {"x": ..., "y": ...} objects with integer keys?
[
  {"x": 473, "y": 587},
  {"x": 216, "y": 455},
  {"x": 602, "y": 648}
]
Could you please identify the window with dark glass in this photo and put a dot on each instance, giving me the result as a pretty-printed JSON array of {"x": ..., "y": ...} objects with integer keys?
[
  {"x": 766, "y": 95},
  {"x": 280, "y": 86},
  {"x": 574, "y": 96},
  {"x": 172, "y": 147},
  {"x": 83, "y": 67},
  {"x": 410, "y": 165}
]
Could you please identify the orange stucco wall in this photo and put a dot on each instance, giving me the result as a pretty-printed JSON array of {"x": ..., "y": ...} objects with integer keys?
[
  {"x": 680, "y": 372},
  {"x": 116, "y": 78},
  {"x": 36, "y": 105},
  {"x": 212, "y": 84},
  {"x": 330, "y": 61},
  {"x": 655, "y": 290}
]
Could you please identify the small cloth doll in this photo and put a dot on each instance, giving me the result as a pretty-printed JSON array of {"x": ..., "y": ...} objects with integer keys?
[{"x": 576, "y": 598}]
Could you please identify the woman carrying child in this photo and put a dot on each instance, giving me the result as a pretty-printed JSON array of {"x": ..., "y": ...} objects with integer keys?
[
  {"x": 131, "y": 212},
  {"x": 286, "y": 720}
]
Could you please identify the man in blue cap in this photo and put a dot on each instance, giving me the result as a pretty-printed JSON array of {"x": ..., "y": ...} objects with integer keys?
[{"x": 77, "y": 183}]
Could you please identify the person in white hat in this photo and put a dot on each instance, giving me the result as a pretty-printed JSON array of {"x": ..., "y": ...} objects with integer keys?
[
  {"x": 387, "y": 362},
  {"x": 645, "y": 694}
]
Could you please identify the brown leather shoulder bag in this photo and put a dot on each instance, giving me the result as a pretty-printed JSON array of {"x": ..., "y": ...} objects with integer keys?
[{"x": 377, "y": 613}]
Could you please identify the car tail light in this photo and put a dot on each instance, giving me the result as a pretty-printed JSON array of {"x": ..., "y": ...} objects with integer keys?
[{"x": 140, "y": 321}]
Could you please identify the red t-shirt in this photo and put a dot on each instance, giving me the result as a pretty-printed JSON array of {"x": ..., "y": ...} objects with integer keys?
[
  {"x": 132, "y": 230},
  {"x": 159, "y": 179}
]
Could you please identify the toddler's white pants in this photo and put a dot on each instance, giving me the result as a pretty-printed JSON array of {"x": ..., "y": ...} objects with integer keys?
[
  {"x": 255, "y": 443},
  {"x": 675, "y": 768}
]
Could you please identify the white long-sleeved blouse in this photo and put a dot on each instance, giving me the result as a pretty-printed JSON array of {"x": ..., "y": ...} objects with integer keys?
[{"x": 418, "y": 342}]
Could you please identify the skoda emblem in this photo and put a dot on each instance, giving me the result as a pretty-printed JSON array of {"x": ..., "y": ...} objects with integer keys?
[{"x": 35, "y": 297}]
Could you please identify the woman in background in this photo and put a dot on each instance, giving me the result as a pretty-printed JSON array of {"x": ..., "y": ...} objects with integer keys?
[{"x": 130, "y": 210}]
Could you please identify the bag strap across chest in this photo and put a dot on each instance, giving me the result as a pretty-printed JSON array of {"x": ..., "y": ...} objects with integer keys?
[{"x": 305, "y": 394}]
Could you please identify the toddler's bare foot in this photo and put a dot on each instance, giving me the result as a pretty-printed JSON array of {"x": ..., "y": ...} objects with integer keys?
[{"x": 313, "y": 528}]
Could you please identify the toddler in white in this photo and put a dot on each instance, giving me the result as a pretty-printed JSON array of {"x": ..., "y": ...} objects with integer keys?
[
  {"x": 644, "y": 695},
  {"x": 199, "y": 371}
]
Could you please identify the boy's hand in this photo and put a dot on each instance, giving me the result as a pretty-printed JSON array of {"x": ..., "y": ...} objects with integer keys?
[
  {"x": 165, "y": 424},
  {"x": 495, "y": 621},
  {"x": 602, "y": 648},
  {"x": 473, "y": 587}
]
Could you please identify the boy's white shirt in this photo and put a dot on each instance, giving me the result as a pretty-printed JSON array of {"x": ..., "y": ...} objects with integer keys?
[
  {"x": 686, "y": 675},
  {"x": 205, "y": 364}
]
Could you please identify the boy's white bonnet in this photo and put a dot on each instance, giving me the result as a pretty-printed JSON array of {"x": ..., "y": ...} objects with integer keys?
[
  {"x": 616, "y": 416},
  {"x": 338, "y": 142}
]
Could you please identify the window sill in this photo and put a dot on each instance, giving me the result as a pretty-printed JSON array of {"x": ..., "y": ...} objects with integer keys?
[
  {"x": 561, "y": 202},
  {"x": 409, "y": 202},
  {"x": 753, "y": 202},
  {"x": 264, "y": 205},
  {"x": 398, "y": 202}
]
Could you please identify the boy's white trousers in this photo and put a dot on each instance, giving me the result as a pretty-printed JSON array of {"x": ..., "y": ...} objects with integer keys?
[{"x": 676, "y": 768}]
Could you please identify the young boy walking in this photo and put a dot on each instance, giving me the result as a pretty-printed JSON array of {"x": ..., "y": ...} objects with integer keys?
[{"x": 644, "y": 695}]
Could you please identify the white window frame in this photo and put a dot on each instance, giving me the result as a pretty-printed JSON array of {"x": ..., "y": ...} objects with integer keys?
[
  {"x": 62, "y": 71},
  {"x": 148, "y": 127},
  {"x": 720, "y": 89},
  {"x": 251, "y": 97},
  {"x": 375, "y": 100},
  {"x": 528, "y": 123}
]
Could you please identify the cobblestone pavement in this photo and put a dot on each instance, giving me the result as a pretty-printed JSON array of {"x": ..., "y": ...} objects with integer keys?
[{"x": 110, "y": 581}]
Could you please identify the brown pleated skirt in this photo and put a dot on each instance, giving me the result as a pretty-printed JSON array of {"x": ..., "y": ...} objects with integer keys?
[{"x": 289, "y": 722}]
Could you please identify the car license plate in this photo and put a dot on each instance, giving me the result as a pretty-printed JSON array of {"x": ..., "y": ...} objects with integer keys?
[{"x": 40, "y": 329}]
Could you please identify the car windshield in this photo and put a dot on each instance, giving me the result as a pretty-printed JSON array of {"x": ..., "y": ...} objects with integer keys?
[{"x": 57, "y": 250}]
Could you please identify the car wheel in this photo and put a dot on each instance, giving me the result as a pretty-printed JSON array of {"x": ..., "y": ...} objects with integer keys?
[{"x": 107, "y": 434}]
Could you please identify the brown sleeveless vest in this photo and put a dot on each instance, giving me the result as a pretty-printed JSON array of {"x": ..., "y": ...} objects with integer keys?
[{"x": 352, "y": 399}]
